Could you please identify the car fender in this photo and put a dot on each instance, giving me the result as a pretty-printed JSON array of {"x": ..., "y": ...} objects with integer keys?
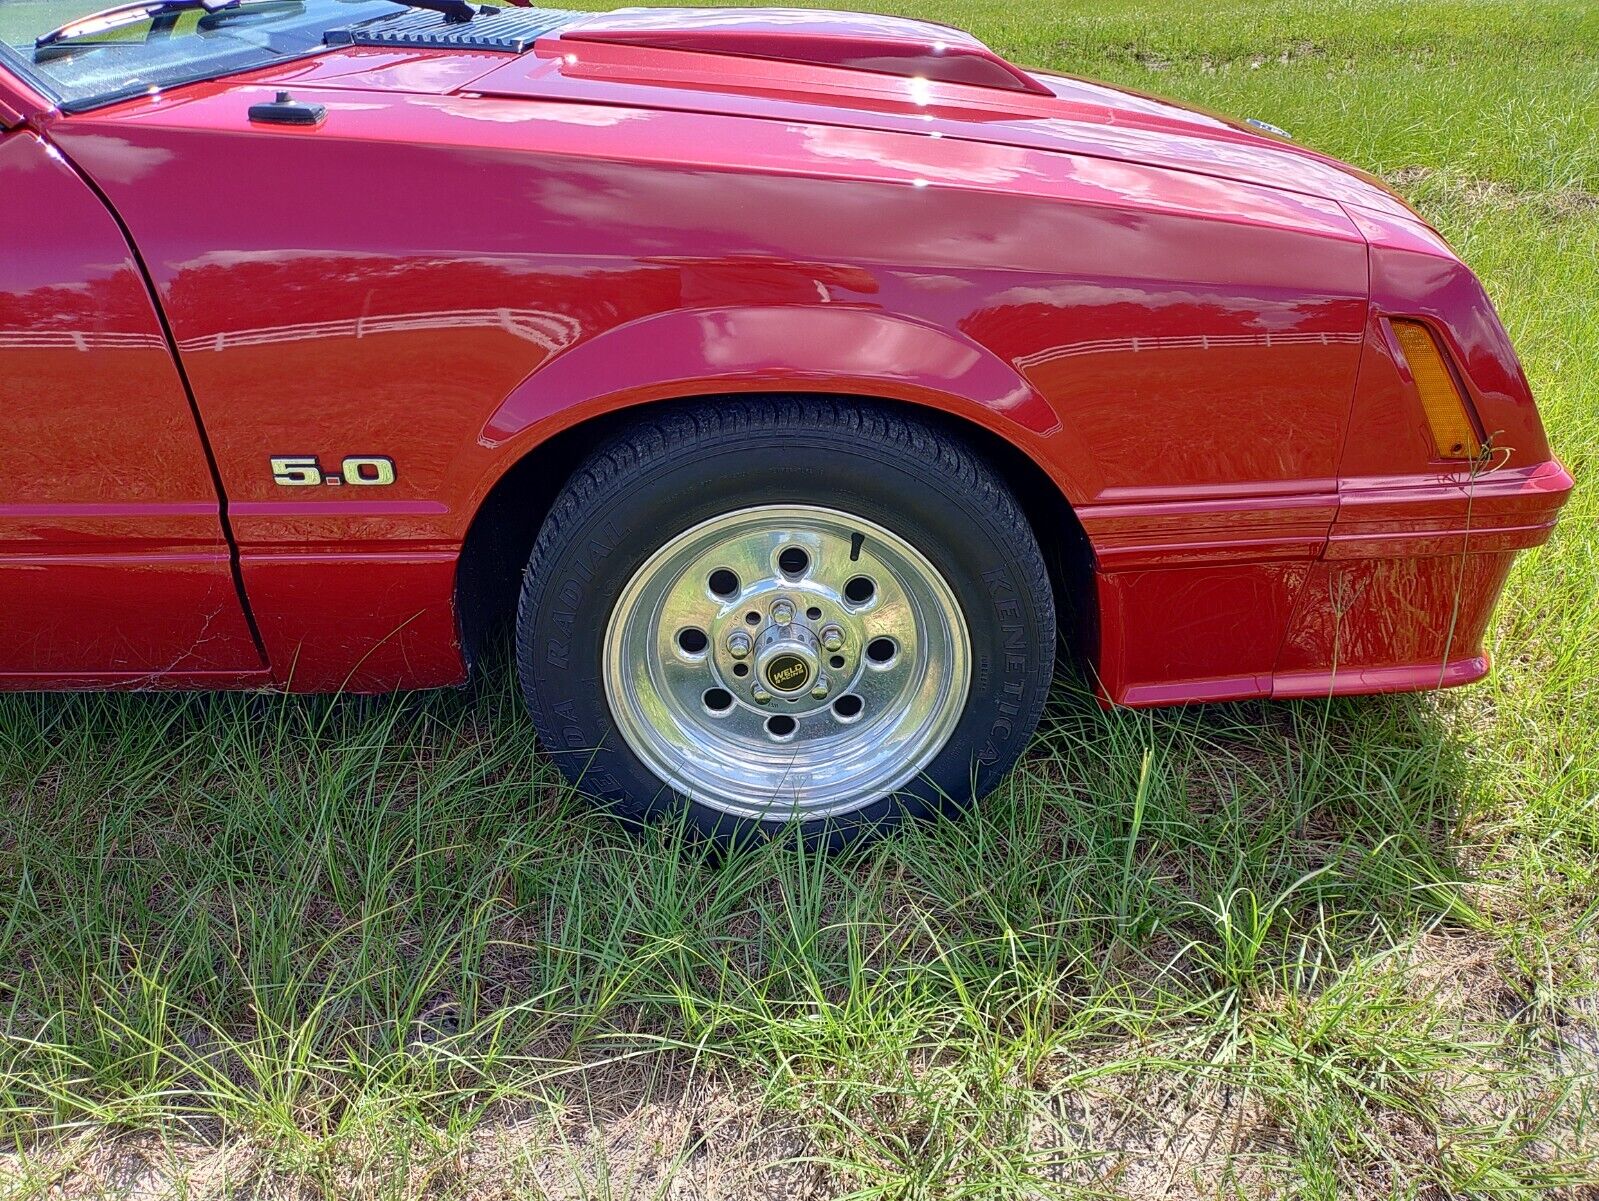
[{"x": 843, "y": 350}]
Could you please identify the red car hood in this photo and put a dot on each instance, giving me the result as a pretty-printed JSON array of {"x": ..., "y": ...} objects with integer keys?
[{"x": 849, "y": 69}]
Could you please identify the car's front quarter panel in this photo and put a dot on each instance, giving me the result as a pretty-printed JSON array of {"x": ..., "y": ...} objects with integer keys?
[
  {"x": 1422, "y": 545},
  {"x": 406, "y": 279}
]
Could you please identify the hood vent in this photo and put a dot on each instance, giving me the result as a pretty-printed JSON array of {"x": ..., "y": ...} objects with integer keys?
[
  {"x": 855, "y": 41},
  {"x": 512, "y": 30}
]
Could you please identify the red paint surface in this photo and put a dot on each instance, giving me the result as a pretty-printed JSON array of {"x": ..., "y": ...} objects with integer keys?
[
  {"x": 1179, "y": 320},
  {"x": 112, "y": 557}
]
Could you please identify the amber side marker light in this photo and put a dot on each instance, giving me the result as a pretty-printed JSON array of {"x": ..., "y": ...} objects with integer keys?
[{"x": 1441, "y": 398}]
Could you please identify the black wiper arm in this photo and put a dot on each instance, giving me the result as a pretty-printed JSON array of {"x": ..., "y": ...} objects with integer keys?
[
  {"x": 456, "y": 12},
  {"x": 125, "y": 14}
]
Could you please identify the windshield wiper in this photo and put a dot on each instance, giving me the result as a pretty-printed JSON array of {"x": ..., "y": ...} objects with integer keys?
[
  {"x": 455, "y": 12},
  {"x": 119, "y": 15}
]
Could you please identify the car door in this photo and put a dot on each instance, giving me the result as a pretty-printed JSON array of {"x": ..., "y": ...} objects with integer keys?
[{"x": 114, "y": 563}]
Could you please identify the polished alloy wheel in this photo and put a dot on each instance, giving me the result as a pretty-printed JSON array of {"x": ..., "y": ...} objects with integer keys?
[{"x": 786, "y": 661}]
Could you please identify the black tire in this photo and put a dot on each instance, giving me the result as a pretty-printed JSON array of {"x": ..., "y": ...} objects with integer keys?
[{"x": 679, "y": 467}]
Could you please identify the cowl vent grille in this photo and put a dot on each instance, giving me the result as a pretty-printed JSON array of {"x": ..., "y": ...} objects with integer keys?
[{"x": 512, "y": 30}]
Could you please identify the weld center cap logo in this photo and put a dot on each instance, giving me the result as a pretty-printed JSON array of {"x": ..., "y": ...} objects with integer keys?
[{"x": 787, "y": 672}]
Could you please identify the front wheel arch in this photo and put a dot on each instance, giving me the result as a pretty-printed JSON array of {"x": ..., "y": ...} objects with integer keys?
[{"x": 507, "y": 521}]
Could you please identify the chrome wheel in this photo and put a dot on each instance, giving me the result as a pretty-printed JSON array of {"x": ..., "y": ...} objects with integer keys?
[{"x": 786, "y": 661}]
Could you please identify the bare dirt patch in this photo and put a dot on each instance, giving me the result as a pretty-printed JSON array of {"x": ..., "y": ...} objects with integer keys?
[{"x": 622, "y": 1134}]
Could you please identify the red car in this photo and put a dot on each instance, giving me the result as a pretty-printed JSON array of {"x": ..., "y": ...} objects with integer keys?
[{"x": 794, "y": 379}]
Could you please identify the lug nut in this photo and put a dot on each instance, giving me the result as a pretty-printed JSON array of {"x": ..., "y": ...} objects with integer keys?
[
  {"x": 819, "y": 689},
  {"x": 832, "y": 638},
  {"x": 761, "y": 696},
  {"x": 738, "y": 645},
  {"x": 782, "y": 612}
]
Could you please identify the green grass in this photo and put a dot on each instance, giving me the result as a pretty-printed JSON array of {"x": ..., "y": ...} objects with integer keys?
[{"x": 275, "y": 947}]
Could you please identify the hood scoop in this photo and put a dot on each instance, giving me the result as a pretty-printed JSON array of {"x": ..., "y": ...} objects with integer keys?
[
  {"x": 513, "y": 30},
  {"x": 854, "y": 41}
]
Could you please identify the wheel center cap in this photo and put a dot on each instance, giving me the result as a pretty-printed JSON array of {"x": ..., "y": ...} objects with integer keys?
[
  {"x": 787, "y": 670},
  {"x": 786, "y": 659}
]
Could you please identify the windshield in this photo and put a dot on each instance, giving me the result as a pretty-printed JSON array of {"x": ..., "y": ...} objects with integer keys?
[{"x": 170, "y": 48}]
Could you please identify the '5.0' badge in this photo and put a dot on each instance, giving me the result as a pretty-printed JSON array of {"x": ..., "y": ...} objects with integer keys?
[{"x": 299, "y": 471}]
